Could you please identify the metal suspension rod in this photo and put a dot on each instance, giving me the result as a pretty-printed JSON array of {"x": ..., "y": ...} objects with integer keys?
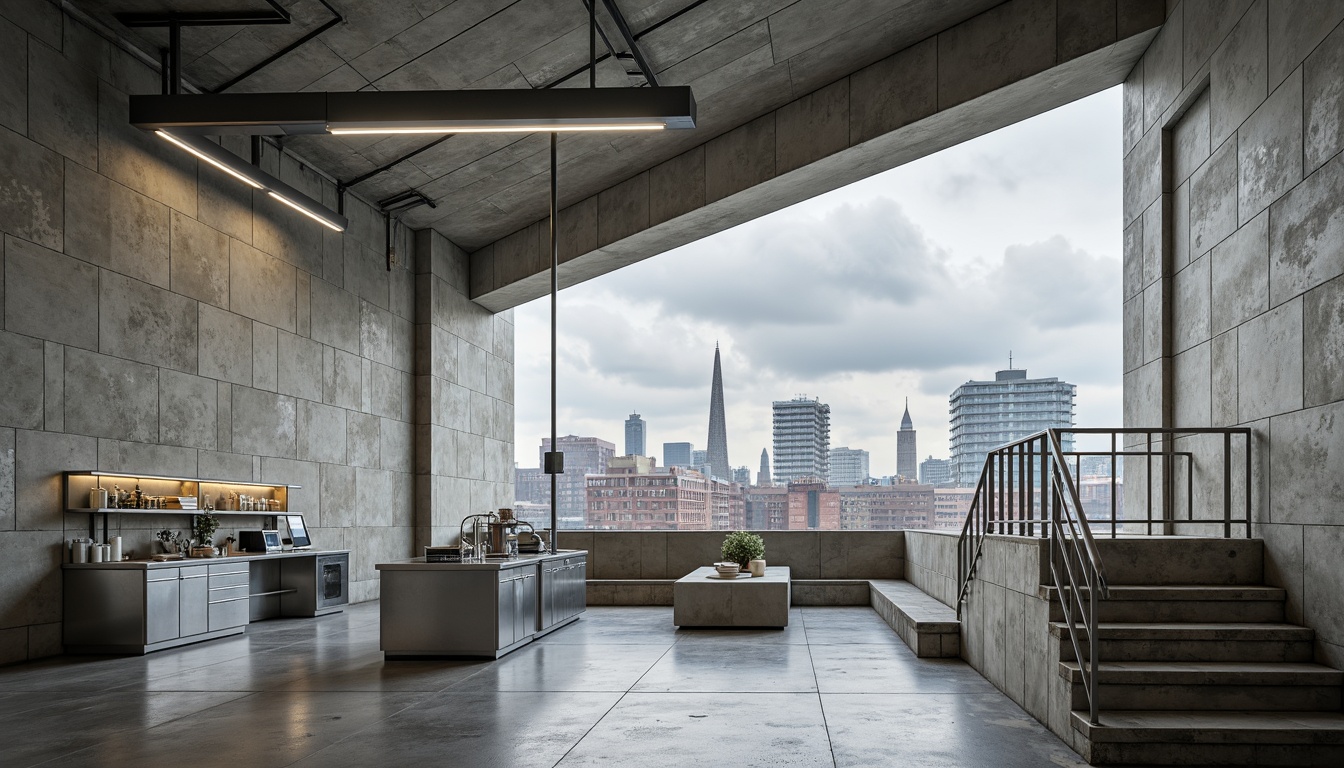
[
  {"x": 592, "y": 44},
  {"x": 175, "y": 52},
  {"x": 555, "y": 289}
]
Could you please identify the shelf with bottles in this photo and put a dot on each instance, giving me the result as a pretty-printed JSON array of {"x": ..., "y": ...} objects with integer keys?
[{"x": 163, "y": 495}]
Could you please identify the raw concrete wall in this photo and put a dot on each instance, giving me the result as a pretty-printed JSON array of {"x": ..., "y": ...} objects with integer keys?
[
  {"x": 931, "y": 564},
  {"x": 1234, "y": 256},
  {"x": 158, "y": 317}
]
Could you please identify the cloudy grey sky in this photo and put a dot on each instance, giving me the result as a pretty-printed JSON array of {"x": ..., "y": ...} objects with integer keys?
[{"x": 906, "y": 284}]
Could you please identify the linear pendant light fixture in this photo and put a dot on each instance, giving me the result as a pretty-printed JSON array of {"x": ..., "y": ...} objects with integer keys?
[
  {"x": 254, "y": 177},
  {"x": 433, "y": 112}
]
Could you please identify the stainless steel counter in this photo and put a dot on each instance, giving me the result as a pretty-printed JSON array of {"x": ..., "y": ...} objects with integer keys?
[
  {"x": 478, "y": 609},
  {"x": 492, "y": 564},
  {"x": 140, "y": 565}
]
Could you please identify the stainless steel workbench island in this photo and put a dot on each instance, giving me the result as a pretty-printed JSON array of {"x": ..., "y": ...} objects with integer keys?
[{"x": 478, "y": 609}]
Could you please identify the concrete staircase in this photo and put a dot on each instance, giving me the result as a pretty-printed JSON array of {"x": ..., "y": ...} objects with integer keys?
[{"x": 1199, "y": 666}]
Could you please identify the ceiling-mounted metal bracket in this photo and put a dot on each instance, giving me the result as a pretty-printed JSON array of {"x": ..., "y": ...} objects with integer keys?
[{"x": 644, "y": 66}]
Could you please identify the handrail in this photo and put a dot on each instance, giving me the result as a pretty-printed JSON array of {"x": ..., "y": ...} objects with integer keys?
[{"x": 1029, "y": 482}]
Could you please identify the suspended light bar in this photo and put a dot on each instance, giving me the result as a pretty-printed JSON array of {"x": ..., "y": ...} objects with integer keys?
[
  {"x": 226, "y": 161},
  {"x": 530, "y": 128},
  {"x": 207, "y": 158},
  {"x": 372, "y": 112}
]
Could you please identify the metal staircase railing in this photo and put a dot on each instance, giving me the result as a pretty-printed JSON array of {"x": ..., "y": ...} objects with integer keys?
[{"x": 1028, "y": 488}]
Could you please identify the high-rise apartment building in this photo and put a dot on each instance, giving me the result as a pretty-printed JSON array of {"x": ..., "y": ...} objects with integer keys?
[
  {"x": 635, "y": 429},
  {"x": 677, "y": 454},
  {"x": 935, "y": 471},
  {"x": 583, "y": 456},
  {"x": 718, "y": 431},
  {"x": 907, "y": 456},
  {"x": 849, "y": 466},
  {"x": 802, "y": 439},
  {"x": 987, "y": 414},
  {"x": 763, "y": 476}
]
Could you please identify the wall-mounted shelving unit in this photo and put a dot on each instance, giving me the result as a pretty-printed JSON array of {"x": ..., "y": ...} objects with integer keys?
[{"x": 76, "y": 485}]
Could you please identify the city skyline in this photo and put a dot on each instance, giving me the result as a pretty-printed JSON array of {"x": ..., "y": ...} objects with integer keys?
[{"x": 938, "y": 302}]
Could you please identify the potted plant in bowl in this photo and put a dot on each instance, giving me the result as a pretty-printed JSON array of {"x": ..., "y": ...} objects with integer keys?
[
  {"x": 203, "y": 529},
  {"x": 742, "y": 547}
]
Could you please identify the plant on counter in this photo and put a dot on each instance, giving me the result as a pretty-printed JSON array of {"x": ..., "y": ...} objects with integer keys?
[
  {"x": 203, "y": 528},
  {"x": 742, "y": 547}
]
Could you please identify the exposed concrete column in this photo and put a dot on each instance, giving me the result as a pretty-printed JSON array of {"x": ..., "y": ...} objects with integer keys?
[
  {"x": 1014, "y": 61},
  {"x": 463, "y": 396}
]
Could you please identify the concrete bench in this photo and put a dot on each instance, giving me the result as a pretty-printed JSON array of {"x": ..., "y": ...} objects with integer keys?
[{"x": 930, "y": 628}]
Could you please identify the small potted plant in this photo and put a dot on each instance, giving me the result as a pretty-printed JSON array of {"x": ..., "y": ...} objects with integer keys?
[
  {"x": 203, "y": 529},
  {"x": 742, "y": 547}
]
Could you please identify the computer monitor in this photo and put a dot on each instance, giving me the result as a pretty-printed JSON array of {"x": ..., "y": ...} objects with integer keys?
[{"x": 298, "y": 532}]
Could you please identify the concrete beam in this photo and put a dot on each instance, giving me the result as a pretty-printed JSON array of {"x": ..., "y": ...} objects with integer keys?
[{"x": 1012, "y": 62}]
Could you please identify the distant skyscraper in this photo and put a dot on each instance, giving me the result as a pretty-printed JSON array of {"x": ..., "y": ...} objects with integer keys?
[
  {"x": 718, "y": 432},
  {"x": 699, "y": 458},
  {"x": 849, "y": 466},
  {"x": 742, "y": 475},
  {"x": 763, "y": 477},
  {"x": 907, "y": 458},
  {"x": 635, "y": 428},
  {"x": 802, "y": 441},
  {"x": 935, "y": 471},
  {"x": 677, "y": 454},
  {"x": 987, "y": 414}
]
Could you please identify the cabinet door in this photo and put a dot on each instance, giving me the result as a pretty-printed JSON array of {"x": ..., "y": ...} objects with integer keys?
[
  {"x": 193, "y": 601},
  {"x": 505, "y": 618},
  {"x": 525, "y": 607},
  {"x": 547, "y": 591},
  {"x": 161, "y": 605}
]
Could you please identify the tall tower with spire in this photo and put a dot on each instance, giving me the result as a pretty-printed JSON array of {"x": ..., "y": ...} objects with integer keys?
[
  {"x": 763, "y": 476},
  {"x": 718, "y": 432},
  {"x": 907, "y": 456}
]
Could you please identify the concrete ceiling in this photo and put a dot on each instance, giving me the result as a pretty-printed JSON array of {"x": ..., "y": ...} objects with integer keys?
[{"x": 743, "y": 58}]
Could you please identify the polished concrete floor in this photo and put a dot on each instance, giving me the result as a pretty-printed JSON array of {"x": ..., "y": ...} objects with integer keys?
[{"x": 622, "y": 687}]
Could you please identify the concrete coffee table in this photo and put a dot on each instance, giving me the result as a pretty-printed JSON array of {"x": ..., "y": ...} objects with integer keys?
[{"x": 700, "y": 599}]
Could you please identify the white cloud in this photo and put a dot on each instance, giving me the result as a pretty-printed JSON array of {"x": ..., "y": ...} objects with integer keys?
[{"x": 905, "y": 284}]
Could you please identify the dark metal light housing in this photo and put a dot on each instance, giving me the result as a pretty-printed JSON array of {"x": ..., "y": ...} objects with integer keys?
[{"x": 480, "y": 111}]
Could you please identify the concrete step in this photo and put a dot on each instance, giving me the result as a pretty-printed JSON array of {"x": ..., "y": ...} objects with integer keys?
[
  {"x": 1248, "y": 686},
  {"x": 1168, "y": 560},
  {"x": 1180, "y": 642},
  {"x": 1199, "y": 603},
  {"x": 1167, "y": 737}
]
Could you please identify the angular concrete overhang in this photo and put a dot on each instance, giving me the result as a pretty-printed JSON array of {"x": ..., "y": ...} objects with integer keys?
[{"x": 1013, "y": 61}]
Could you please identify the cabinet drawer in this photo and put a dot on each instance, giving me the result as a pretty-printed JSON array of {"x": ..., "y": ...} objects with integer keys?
[
  {"x": 218, "y": 569},
  {"x": 228, "y": 614},
  {"x": 224, "y": 594},
  {"x": 239, "y": 578}
]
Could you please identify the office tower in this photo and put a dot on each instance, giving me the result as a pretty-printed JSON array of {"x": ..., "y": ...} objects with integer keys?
[
  {"x": 635, "y": 429},
  {"x": 935, "y": 471},
  {"x": 849, "y": 466},
  {"x": 699, "y": 458},
  {"x": 583, "y": 456},
  {"x": 987, "y": 414},
  {"x": 763, "y": 476},
  {"x": 802, "y": 439},
  {"x": 907, "y": 457},
  {"x": 718, "y": 432},
  {"x": 742, "y": 475},
  {"x": 677, "y": 454}
]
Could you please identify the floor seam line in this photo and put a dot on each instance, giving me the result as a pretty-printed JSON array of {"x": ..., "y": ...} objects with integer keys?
[{"x": 821, "y": 705}]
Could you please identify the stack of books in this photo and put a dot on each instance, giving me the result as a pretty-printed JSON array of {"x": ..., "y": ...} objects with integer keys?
[{"x": 180, "y": 502}]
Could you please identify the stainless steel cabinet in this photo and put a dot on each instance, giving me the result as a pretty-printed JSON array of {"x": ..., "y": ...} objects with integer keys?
[
  {"x": 162, "y": 605},
  {"x": 228, "y": 606},
  {"x": 564, "y": 587},
  {"x": 193, "y": 597},
  {"x": 516, "y": 606}
]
